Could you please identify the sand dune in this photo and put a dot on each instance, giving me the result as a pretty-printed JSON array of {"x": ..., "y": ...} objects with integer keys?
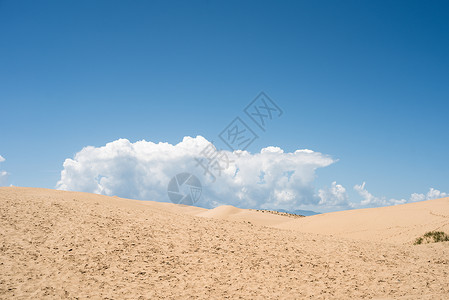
[
  {"x": 56, "y": 244},
  {"x": 395, "y": 224},
  {"x": 231, "y": 213}
]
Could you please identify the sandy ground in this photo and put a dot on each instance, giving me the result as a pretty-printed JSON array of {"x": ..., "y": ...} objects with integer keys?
[{"x": 56, "y": 244}]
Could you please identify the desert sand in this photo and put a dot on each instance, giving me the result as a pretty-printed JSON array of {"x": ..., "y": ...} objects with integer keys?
[{"x": 57, "y": 244}]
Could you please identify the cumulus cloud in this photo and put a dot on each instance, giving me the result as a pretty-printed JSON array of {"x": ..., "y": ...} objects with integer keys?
[
  {"x": 431, "y": 194},
  {"x": 335, "y": 196},
  {"x": 270, "y": 179},
  {"x": 370, "y": 200},
  {"x": 3, "y": 174}
]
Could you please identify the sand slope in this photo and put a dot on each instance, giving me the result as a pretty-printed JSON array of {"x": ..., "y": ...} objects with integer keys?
[
  {"x": 231, "y": 213},
  {"x": 395, "y": 224},
  {"x": 56, "y": 244}
]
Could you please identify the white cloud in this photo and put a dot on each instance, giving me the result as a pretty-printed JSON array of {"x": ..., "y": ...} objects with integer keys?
[
  {"x": 432, "y": 194},
  {"x": 371, "y": 200},
  {"x": 270, "y": 179},
  {"x": 335, "y": 196},
  {"x": 4, "y": 178},
  {"x": 3, "y": 174}
]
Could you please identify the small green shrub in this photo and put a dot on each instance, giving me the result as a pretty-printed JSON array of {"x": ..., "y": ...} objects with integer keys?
[
  {"x": 418, "y": 241},
  {"x": 432, "y": 237}
]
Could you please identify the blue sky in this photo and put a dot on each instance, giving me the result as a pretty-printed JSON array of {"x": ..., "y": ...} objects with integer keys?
[{"x": 364, "y": 82}]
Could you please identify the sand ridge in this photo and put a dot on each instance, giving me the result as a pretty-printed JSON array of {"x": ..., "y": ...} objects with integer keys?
[
  {"x": 393, "y": 224},
  {"x": 69, "y": 245},
  {"x": 231, "y": 213}
]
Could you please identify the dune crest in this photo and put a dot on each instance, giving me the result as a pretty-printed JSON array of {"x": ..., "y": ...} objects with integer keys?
[
  {"x": 66, "y": 245},
  {"x": 393, "y": 224},
  {"x": 231, "y": 213}
]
